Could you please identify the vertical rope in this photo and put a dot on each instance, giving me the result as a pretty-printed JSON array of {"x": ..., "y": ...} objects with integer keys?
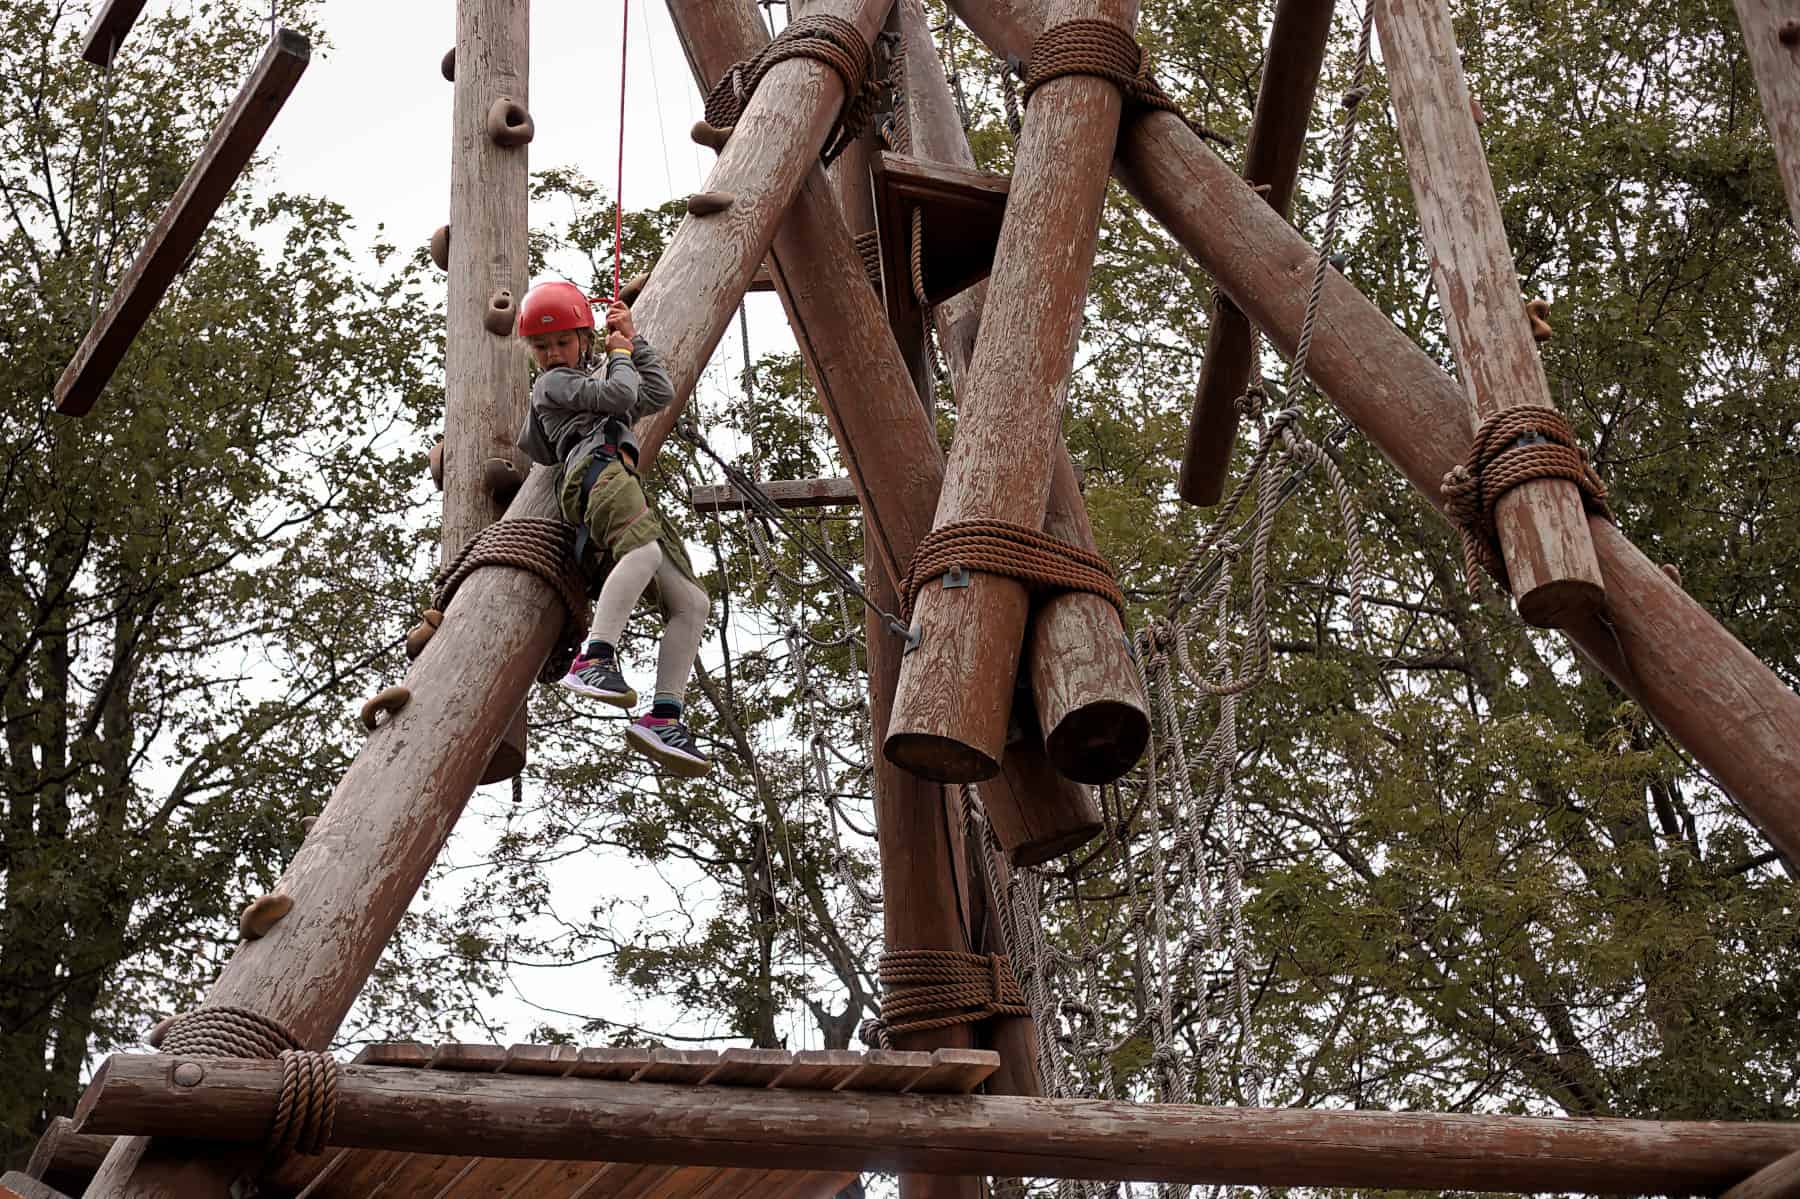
[{"x": 619, "y": 191}]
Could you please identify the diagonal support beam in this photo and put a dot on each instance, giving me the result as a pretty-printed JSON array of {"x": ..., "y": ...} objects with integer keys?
[
  {"x": 1664, "y": 650},
  {"x": 394, "y": 809},
  {"x": 183, "y": 222},
  {"x": 107, "y": 33}
]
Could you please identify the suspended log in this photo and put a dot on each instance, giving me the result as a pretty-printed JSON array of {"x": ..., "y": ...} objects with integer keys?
[
  {"x": 574, "y": 1119},
  {"x": 951, "y": 710},
  {"x": 177, "y": 234},
  {"x": 390, "y": 816},
  {"x": 107, "y": 33},
  {"x": 788, "y": 493},
  {"x": 1543, "y": 529},
  {"x": 1272, "y": 159},
  {"x": 1727, "y": 708},
  {"x": 1772, "y": 31},
  {"x": 1779, "y": 1180},
  {"x": 881, "y": 429}
]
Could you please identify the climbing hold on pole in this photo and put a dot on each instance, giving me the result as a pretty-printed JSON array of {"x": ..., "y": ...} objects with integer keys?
[
  {"x": 1478, "y": 112},
  {"x": 707, "y": 203},
  {"x": 1538, "y": 312},
  {"x": 1789, "y": 34},
  {"x": 501, "y": 479},
  {"x": 448, "y": 66},
  {"x": 501, "y": 315},
  {"x": 710, "y": 135},
  {"x": 434, "y": 461},
  {"x": 1673, "y": 572},
  {"x": 306, "y": 824},
  {"x": 508, "y": 124},
  {"x": 633, "y": 288},
  {"x": 262, "y": 915},
  {"x": 440, "y": 247},
  {"x": 389, "y": 700},
  {"x": 419, "y": 636}
]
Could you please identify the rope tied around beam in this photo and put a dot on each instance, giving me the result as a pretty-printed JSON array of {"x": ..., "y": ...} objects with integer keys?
[
  {"x": 1511, "y": 448},
  {"x": 227, "y": 1031},
  {"x": 1039, "y": 561},
  {"x": 827, "y": 39},
  {"x": 306, "y": 1109},
  {"x": 1089, "y": 46},
  {"x": 868, "y": 248},
  {"x": 538, "y": 546},
  {"x": 926, "y": 989}
]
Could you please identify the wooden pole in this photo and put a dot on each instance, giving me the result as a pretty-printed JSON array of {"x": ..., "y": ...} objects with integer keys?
[
  {"x": 1779, "y": 1180},
  {"x": 360, "y": 867},
  {"x": 874, "y": 411},
  {"x": 578, "y": 1119},
  {"x": 1543, "y": 530},
  {"x": 1085, "y": 687},
  {"x": 1772, "y": 31},
  {"x": 1272, "y": 159},
  {"x": 177, "y": 234},
  {"x": 1712, "y": 695},
  {"x": 950, "y": 714},
  {"x": 485, "y": 378}
]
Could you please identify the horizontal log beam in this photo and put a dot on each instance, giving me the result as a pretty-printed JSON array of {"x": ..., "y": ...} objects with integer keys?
[
  {"x": 498, "y": 1115},
  {"x": 183, "y": 222},
  {"x": 107, "y": 33},
  {"x": 787, "y": 493}
]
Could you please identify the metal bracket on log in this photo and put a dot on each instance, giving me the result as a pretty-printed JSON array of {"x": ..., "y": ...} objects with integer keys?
[{"x": 184, "y": 221}]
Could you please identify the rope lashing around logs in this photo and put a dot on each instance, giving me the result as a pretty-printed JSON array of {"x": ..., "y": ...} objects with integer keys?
[
  {"x": 1511, "y": 448},
  {"x": 868, "y": 248},
  {"x": 226, "y": 1031},
  {"x": 538, "y": 546},
  {"x": 1086, "y": 46},
  {"x": 827, "y": 39},
  {"x": 307, "y": 1105},
  {"x": 1039, "y": 561},
  {"x": 926, "y": 989}
]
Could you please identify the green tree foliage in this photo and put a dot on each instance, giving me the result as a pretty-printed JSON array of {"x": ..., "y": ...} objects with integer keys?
[{"x": 196, "y": 579}]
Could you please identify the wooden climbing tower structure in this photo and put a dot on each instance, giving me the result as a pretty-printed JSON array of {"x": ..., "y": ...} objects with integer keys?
[{"x": 1010, "y": 669}]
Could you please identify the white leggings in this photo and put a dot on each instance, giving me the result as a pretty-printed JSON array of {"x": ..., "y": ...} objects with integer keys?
[{"x": 685, "y": 602}]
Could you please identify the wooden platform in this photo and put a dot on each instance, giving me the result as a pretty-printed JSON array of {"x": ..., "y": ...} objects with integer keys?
[
  {"x": 962, "y": 210},
  {"x": 70, "y": 1158},
  {"x": 787, "y": 493}
]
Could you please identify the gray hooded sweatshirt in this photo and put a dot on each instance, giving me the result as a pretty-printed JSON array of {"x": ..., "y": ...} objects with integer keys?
[{"x": 572, "y": 411}]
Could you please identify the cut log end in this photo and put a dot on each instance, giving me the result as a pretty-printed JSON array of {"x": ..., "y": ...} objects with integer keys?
[
  {"x": 1560, "y": 603},
  {"x": 1037, "y": 853},
  {"x": 1100, "y": 742},
  {"x": 940, "y": 759}
]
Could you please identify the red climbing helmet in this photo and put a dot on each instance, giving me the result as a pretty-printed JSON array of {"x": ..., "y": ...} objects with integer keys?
[{"x": 554, "y": 306}]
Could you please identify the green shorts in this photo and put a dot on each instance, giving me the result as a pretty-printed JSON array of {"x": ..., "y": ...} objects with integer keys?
[{"x": 619, "y": 517}]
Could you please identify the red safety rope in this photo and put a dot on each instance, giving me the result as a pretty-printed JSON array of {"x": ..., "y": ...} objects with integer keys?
[{"x": 619, "y": 192}]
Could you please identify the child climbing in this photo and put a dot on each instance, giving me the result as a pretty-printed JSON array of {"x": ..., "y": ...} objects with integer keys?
[{"x": 580, "y": 418}]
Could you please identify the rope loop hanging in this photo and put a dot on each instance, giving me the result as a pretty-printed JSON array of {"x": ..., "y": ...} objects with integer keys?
[
  {"x": 541, "y": 547},
  {"x": 824, "y": 38},
  {"x": 1511, "y": 448},
  {"x": 926, "y": 989},
  {"x": 306, "y": 1109},
  {"x": 1089, "y": 46},
  {"x": 1039, "y": 561}
]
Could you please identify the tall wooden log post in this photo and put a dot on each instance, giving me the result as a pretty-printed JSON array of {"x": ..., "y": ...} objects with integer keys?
[
  {"x": 1711, "y": 694},
  {"x": 1085, "y": 689},
  {"x": 882, "y": 432},
  {"x": 950, "y": 714},
  {"x": 485, "y": 378},
  {"x": 1772, "y": 31},
  {"x": 1271, "y": 160},
  {"x": 1543, "y": 530},
  {"x": 363, "y": 862}
]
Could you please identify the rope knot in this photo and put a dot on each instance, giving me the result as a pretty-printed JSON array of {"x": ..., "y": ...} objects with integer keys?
[
  {"x": 1088, "y": 46},
  {"x": 1511, "y": 448},
  {"x": 824, "y": 38}
]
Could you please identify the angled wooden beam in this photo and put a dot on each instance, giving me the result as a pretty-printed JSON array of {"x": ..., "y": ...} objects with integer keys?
[
  {"x": 575, "y": 1119},
  {"x": 1780, "y": 1180},
  {"x": 107, "y": 33},
  {"x": 183, "y": 222},
  {"x": 1772, "y": 32},
  {"x": 1543, "y": 529},
  {"x": 1284, "y": 104},
  {"x": 394, "y": 809},
  {"x": 788, "y": 493},
  {"x": 1710, "y": 693}
]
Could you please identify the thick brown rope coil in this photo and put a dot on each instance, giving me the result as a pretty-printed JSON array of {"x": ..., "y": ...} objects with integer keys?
[
  {"x": 1087, "y": 46},
  {"x": 830, "y": 40},
  {"x": 1039, "y": 561},
  {"x": 538, "y": 546},
  {"x": 226, "y": 1032},
  {"x": 868, "y": 248},
  {"x": 1512, "y": 447},
  {"x": 924, "y": 989},
  {"x": 307, "y": 1105}
]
